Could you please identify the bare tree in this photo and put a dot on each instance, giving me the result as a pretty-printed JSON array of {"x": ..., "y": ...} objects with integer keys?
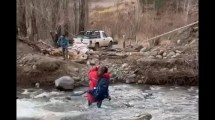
[
  {"x": 76, "y": 15},
  {"x": 83, "y": 14},
  {"x": 34, "y": 32},
  {"x": 21, "y": 17},
  {"x": 66, "y": 16}
]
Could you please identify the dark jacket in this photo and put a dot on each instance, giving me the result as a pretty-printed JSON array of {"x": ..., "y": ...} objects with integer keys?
[{"x": 63, "y": 42}]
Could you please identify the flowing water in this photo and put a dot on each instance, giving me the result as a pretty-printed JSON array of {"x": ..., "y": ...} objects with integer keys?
[{"x": 162, "y": 102}]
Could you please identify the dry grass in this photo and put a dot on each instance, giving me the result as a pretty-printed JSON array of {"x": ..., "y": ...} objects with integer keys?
[{"x": 121, "y": 21}]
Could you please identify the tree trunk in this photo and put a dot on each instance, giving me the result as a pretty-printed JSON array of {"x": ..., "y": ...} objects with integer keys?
[
  {"x": 66, "y": 16},
  {"x": 76, "y": 16},
  {"x": 22, "y": 28},
  {"x": 184, "y": 9},
  {"x": 188, "y": 10},
  {"x": 177, "y": 6},
  {"x": 54, "y": 13},
  {"x": 83, "y": 15},
  {"x": 34, "y": 34},
  {"x": 86, "y": 13}
]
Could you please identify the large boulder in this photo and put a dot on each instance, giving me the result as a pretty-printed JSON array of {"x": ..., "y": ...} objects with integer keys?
[{"x": 64, "y": 83}]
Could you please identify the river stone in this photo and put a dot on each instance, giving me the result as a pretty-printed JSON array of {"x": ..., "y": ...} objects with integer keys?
[
  {"x": 144, "y": 116},
  {"x": 154, "y": 53},
  {"x": 177, "y": 51},
  {"x": 177, "y": 54},
  {"x": 147, "y": 53},
  {"x": 76, "y": 69},
  {"x": 174, "y": 56},
  {"x": 178, "y": 41},
  {"x": 34, "y": 67},
  {"x": 124, "y": 65},
  {"x": 127, "y": 81},
  {"x": 143, "y": 49},
  {"x": 132, "y": 76},
  {"x": 164, "y": 54},
  {"x": 140, "y": 82},
  {"x": 65, "y": 82},
  {"x": 161, "y": 52},
  {"x": 171, "y": 54},
  {"x": 151, "y": 57},
  {"x": 159, "y": 56}
]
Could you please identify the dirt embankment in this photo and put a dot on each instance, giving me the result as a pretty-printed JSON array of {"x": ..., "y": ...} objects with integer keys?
[
  {"x": 42, "y": 69},
  {"x": 170, "y": 61}
]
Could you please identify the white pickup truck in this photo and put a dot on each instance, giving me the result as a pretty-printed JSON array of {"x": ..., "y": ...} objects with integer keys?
[{"x": 94, "y": 39}]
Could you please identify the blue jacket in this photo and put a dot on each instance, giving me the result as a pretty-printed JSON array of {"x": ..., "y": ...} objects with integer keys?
[{"x": 63, "y": 42}]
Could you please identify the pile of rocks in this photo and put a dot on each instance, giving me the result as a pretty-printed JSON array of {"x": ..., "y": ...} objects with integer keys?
[{"x": 161, "y": 53}]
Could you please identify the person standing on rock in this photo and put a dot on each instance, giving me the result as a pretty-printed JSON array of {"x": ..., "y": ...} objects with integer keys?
[
  {"x": 97, "y": 76},
  {"x": 64, "y": 43}
]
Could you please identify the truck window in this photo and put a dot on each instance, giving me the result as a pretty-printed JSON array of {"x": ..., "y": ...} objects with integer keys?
[
  {"x": 97, "y": 35},
  {"x": 104, "y": 35}
]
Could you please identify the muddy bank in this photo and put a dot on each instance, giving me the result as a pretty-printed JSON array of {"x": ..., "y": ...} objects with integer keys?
[
  {"x": 45, "y": 70},
  {"x": 42, "y": 69}
]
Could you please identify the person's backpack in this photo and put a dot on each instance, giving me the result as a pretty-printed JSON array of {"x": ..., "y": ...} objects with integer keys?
[{"x": 101, "y": 91}]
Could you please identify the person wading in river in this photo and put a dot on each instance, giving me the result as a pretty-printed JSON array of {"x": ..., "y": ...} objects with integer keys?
[
  {"x": 99, "y": 83},
  {"x": 64, "y": 43}
]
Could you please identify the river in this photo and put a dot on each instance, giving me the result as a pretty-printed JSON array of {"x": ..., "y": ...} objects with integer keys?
[{"x": 162, "y": 102}]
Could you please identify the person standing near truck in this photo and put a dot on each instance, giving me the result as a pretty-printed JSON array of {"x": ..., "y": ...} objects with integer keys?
[{"x": 63, "y": 42}]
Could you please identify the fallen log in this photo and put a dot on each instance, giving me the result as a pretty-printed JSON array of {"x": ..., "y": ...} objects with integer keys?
[{"x": 30, "y": 43}]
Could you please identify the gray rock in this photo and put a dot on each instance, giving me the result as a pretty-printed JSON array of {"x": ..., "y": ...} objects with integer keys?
[
  {"x": 143, "y": 116},
  {"x": 193, "y": 41},
  {"x": 153, "y": 53},
  {"x": 132, "y": 76},
  {"x": 177, "y": 51},
  {"x": 146, "y": 53},
  {"x": 126, "y": 72},
  {"x": 178, "y": 41},
  {"x": 171, "y": 54},
  {"x": 126, "y": 69},
  {"x": 93, "y": 61},
  {"x": 158, "y": 56},
  {"x": 124, "y": 65},
  {"x": 139, "y": 81},
  {"x": 171, "y": 70},
  {"x": 34, "y": 67},
  {"x": 174, "y": 56},
  {"x": 151, "y": 57},
  {"x": 65, "y": 82},
  {"x": 37, "y": 85},
  {"x": 164, "y": 54},
  {"x": 164, "y": 57},
  {"x": 177, "y": 54},
  {"x": 161, "y": 52},
  {"x": 128, "y": 81},
  {"x": 143, "y": 49},
  {"x": 76, "y": 69}
]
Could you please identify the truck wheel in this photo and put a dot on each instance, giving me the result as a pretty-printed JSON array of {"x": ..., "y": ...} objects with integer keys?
[
  {"x": 110, "y": 44},
  {"x": 96, "y": 47}
]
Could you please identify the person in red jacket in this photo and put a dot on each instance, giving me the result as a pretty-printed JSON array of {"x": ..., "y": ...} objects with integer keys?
[{"x": 94, "y": 75}]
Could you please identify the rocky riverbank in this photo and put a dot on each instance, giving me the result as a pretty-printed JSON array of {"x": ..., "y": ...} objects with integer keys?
[{"x": 171, "y": 61}]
